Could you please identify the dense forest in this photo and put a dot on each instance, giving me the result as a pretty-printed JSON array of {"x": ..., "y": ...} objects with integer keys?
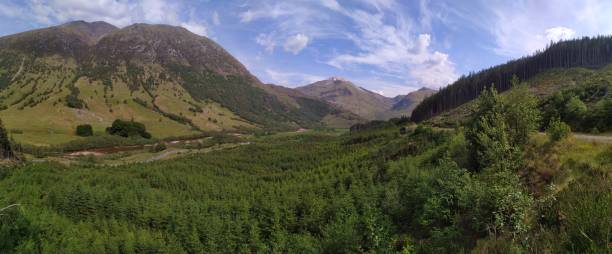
[
  {"x": 494, "y": 185},
  {"x": 586, "y": 52}
]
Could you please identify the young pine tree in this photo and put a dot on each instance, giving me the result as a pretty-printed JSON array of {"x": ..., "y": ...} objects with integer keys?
[
  {"x": 6, "y": 150},
  {"x": 488, "y": 134}
]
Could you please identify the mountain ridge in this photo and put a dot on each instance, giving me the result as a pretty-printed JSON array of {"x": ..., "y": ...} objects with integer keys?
[{"x": 363, "y": 102}]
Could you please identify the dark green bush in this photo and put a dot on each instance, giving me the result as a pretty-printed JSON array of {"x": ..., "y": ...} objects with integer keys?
[
  {"x": 72, "y": 99},
  {"x": 557, "y": 130},
  {"x": 128, "y": 129},
  {"x": 84, "y": 130}
]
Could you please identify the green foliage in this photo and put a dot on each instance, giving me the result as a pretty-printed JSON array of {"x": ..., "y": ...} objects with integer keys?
[
  {"x": 72, "y": 99},
  {"x": 557, "y": 130},
  {"x": 368, "y": 191},
  {"x": 84, "y": 130},
  {"x": 584, "y": 108},
  {"x": 491, "y": 136},
  {"x": 575, "y": 109},
  {"x": 6, "y": 147},
  {"x": 521, "y": 112},
  {"x": 128, "y": 129}
]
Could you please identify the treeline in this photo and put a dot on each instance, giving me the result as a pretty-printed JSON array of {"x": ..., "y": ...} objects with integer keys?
[{"x": 586, "y": 52}]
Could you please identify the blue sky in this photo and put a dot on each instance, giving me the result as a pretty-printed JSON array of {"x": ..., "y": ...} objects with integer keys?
[{"x": 388, "y": 46}]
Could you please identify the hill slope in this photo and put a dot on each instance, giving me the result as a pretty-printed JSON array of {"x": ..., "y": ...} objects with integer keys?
[
  {"x": 175, "y": 82},
  {"x": 558, "y": 90},
  {"x": 587, "y": 52}
]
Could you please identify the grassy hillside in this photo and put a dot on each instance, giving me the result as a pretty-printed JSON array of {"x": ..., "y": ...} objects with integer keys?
[
  {"x": 545, "y": 86},
  {"x": 586, "y": 52},
  {"x": 36, "y": 110}
]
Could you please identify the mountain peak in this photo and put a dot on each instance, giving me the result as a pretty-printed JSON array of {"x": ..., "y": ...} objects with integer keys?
[
  {"x": 343, "y": 93},
  {"x": 422, "y": 89},
  {"x": 91, "y": 32},
  {"x": 338, "y": 79}
]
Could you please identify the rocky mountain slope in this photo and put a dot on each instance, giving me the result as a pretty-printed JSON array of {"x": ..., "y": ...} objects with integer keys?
[
  {"x": 365, "y": 103},
  {"x": 175, "y": 82}
]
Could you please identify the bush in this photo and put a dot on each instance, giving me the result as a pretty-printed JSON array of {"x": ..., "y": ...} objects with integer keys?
[
  {"x": 72, "y": 99},
  {"x": 84, "y": 130},
  {"x": 557, "y": 130},
  {"x": 128, "y": 129}
]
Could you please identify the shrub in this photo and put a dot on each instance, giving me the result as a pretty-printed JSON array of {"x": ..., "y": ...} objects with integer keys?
[
  {"x": 128, "y": 129},
  {"x": 84, "y": 130},
  {"x": 557, "y": 130},
  {"x": 72, "y": 99}
]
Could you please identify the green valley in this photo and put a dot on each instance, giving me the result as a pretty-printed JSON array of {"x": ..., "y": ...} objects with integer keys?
[{"x": 147, "y": 136}]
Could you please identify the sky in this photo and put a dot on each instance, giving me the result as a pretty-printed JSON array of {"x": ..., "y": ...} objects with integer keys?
[{"x": 387, "y": 46}]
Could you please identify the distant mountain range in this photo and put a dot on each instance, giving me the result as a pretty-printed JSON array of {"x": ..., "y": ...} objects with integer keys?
[
  {"x": 365, "y": 103},
  {"x": 175, "y": 82}
]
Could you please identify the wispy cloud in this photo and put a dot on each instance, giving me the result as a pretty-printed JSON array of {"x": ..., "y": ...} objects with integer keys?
[
  {"x": 384, "y": 39},
  {"x": 520, "y": 28},
  {"x": 267, "y": 41},
  {"x": 393, "y": 48},
  {"x": 292, "y": 79},
  {"x": 296, "y": 43},
  {"x": 216, "y": 19}
]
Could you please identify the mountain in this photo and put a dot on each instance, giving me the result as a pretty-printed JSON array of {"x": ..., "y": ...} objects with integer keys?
[
  {"x": 175, "y": 82},
  {"x": 585, "y": 52},
  {"x": 404, "y": 104},
  {"x": 365, "y": 103}
]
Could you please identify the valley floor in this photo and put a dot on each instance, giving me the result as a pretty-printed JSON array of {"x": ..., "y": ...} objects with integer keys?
[{"x": 374, "y": 191}]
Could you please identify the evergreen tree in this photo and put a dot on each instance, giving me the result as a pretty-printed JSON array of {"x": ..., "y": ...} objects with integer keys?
[
  {"x": 488, "y": 134},
  {"x": 6, "y": 149}
]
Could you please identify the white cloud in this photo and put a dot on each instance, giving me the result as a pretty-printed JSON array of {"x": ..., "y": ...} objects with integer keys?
[
  {"x": 392, "y": 49},
  {"x": 266, "y": 11},
  {"x": 215, "y": 18},
  {"x": 331, "y": 4},
  {"x": 267, "y": 41},
  {"x": 520, "y": 28},
  {"x": 296, "y": 43},
  {"x": 10, "y": 10},
  {"x": 195, "y": 27},
  {"x": 559, "y": 33},
  {"x": 384, "y": 87},
  {"x": 292, "y": 79}
]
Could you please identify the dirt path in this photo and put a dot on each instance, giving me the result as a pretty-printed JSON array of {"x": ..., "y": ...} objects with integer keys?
[
  {"x": 20, "y": 69},
  {"x": 163, "y": 155},
  {"x": 600, "y": 139}
]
